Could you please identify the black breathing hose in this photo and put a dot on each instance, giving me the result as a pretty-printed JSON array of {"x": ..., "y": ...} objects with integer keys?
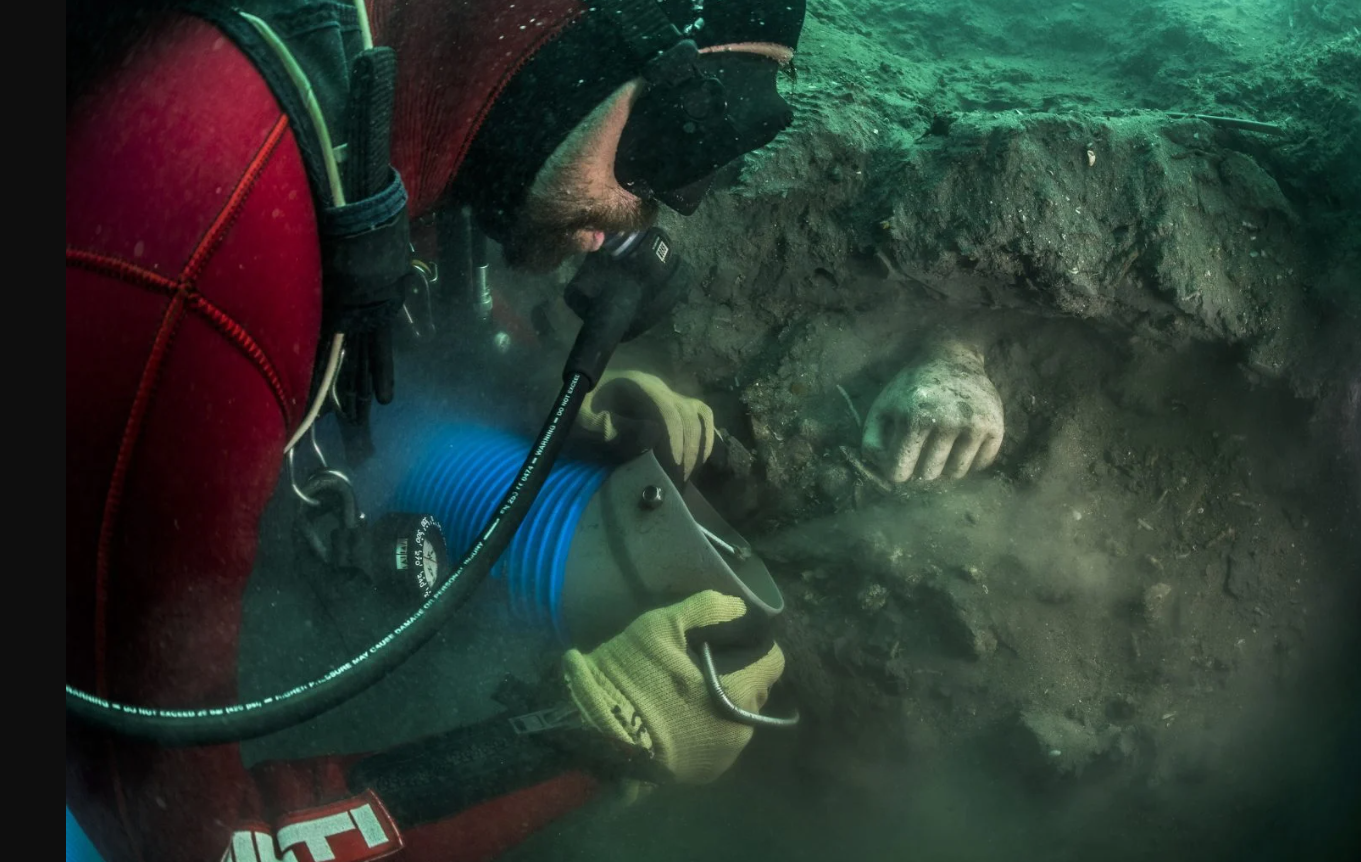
[
  {"x": 239, "y": 721},
  {"x": 611, "y": 310}
]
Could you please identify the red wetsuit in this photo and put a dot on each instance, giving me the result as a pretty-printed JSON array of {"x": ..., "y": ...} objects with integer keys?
[{"x": 193, "y": 306}]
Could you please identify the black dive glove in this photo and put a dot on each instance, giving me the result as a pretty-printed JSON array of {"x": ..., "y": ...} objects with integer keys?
[{"x": 365, "y": 375}]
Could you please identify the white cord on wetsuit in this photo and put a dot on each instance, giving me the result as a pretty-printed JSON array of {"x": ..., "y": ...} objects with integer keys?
[
  {"x": 332, "y": 365},
  {"x": 332, "y": 176},
  {"x": 365, "y": 33}
]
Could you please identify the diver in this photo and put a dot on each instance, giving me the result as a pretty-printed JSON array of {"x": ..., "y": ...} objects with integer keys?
[{"x": 241, "y": 179}]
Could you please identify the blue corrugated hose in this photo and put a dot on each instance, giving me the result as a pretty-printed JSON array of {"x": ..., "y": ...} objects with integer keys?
[{"x": 459, "y": 478}]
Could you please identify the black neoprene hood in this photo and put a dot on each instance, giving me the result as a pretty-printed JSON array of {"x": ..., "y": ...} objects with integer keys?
[{"x": 586, "y": 64}]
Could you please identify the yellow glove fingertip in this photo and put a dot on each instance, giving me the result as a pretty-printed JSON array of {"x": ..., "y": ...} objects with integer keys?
[
  {"x": 771, "y": 666},
  {"x": 749, "y": 687},
  {"x": 762, "y": 673},
  {"x": 709, "y": 607},
  {"x": 706, "y": 417}
]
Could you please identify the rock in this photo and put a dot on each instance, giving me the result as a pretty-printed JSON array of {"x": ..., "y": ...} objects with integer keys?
[
  {"x": 1154, "y": 605},
  {"x": 1052, "y": 745},
  {"x": 964, "y": 626},
  {"x": 876, "y": 555},
  {"x": 1245, "y": 575},
  {"x": 971, "y": 574},
  {"x": 835, "y": 481},
  {"x": 737, "y": 459},
  {"x": 873, "y": 598}
]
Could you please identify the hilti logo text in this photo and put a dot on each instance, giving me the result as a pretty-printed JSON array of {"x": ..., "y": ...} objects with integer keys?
[{"x": 356, "y": 830}]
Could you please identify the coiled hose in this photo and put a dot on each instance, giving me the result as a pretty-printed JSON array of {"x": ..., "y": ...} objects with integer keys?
[{"x": 247, "y": 720}]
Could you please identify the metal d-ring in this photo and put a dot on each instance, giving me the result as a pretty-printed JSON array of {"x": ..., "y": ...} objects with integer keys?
[
  {"x": 337, "y": 488},
  {"x": 725, "y": 704},
  {"x": 292, "y": 472},
  {"x": 293, "y": 480},
  {"x": 350, "y": 507},
  {"x": 429, "y": 272},
  {"x": 316, "y": 447},
  {"x": 429, "y": 276}
]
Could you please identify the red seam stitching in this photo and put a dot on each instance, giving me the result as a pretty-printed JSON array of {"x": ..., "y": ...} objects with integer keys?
[
  {"x": 218, "y": 230},
  {"x": 237, "y": 334},
  {"x": 140, "y": 404},
  {"x": 120, "y": 269},
  {"x": 141, "y": 401},
  {"x": 179, "y": 292}
]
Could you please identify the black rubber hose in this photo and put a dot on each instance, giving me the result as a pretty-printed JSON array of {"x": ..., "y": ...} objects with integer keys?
[{"x": 241, "y": 721}]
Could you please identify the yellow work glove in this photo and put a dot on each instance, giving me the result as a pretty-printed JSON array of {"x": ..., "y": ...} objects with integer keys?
[
  {"x": 644, "y": 688},
  {"x": 639, "y": 411}
]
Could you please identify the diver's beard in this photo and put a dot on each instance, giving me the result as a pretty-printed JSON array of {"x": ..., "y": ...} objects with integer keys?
[
  {"x": 545, "y": 234},
  {"x": 539, "y": 251}
]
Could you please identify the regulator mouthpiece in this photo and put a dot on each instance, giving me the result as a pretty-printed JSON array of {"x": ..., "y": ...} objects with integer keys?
[{"x": 620, "y": 292}]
